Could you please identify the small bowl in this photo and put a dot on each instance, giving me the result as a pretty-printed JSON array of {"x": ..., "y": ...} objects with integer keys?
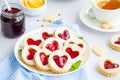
[{"x": 34, "y": 11}]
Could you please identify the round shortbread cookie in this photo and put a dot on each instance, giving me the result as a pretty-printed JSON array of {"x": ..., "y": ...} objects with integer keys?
[
  {"x": 59, "y": 62},
  {"x": 41, "y": 60},
  {"x": 52, "y": 44},
  {"x": 28, "y": 54},
  {"x": 82, "y": 45},
  {"x": 115, "y": 42},
  {"x": 74, "y": 52},
  {"x": 109, "y": 67}
]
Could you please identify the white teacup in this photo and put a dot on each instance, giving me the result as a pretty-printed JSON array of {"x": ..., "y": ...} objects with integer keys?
[{"x": 104, "y": 15}]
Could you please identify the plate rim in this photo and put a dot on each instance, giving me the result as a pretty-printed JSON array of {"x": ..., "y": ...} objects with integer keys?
[{"x": 40, "y": 72}]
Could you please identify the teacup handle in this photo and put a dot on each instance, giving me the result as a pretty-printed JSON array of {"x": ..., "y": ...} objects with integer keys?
[{"x": 90, "y": 13}]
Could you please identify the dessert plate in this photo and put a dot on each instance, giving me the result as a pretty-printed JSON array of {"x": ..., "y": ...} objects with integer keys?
[
  {"x": 18, "y": 57},
  {"x": 92, "y": 22}
]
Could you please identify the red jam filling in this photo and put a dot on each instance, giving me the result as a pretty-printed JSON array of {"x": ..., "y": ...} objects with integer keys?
[
  {"x": 118, "y": 41},
  {"x": 65, "y": 35},
  {"x": 13, "y": 10},
  {"x": 53, "y": 46},
  {"x": 80, "y": 45},
  {"x": 60, "y": 61},
  {"x": 45, "y": 35},
  {"x": 32, "y": 42},
  {"x": 31, "y": 54},
  {"x": 109, "y": 65},
  {"x": 72, "y": 53},
  {"x": 44, "y": 58}
]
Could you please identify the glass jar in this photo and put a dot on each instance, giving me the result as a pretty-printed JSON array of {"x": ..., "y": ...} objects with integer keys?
[{"x": 12, "y": 21}]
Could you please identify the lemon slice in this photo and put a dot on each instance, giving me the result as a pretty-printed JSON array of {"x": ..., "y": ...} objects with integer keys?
[
  {"x": 35, "y": 3},
  {"x": 25, "y": 3}
]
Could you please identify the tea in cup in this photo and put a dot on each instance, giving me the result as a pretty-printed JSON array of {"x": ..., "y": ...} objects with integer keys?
[{"x": 106, "y": 10}]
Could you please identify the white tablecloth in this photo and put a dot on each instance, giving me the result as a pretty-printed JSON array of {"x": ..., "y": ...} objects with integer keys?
[{"x": 69, "y": 10}]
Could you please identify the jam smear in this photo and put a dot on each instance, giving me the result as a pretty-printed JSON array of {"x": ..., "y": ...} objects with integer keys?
[
  {"x": 72, "y": 53},
  {"x": 60, "y": 61},
  {"x": 65, "y": 35},
  {"x": 109, "y": 65},
  {"x": 30, "y": 41},
  {"x": 53, "y": 46},
  {"x": 45, "y": 35},
  {"x": 31, "y": 54},
  {"x": 44, "y": 58}
]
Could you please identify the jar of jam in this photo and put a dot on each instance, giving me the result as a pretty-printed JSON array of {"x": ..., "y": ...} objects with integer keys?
[{"x": 12, "y": 21}]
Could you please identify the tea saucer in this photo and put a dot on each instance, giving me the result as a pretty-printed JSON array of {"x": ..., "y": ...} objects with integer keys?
[{"x": 93, "y": 23}]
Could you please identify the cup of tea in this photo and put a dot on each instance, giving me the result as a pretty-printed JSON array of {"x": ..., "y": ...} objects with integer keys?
[{"x": 106, "y": 10}]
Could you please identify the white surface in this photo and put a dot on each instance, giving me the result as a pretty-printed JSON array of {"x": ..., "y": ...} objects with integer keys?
[{"x": 70, "y": 13}]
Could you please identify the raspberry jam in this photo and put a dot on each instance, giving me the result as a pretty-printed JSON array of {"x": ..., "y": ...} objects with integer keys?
[
  {"x": 44, "y": 58},
  {"x": 30, "y": 41},
  {"x": 60, "y": 61},
  {"x": 73, "y": 54},
  {"x": 31, "y": 54},
  {"x": 109, "y": 65},
  {"x": 12, "y": 21}
]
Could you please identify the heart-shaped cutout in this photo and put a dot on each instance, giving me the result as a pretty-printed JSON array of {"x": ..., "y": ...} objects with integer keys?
[
  {"x": 53, "y": 46},
  {"x": 31, "y": 54},
  {"x": 110, "y": 65},
  {"x": 72, "y": 53},
  {"x": 118, "y": 41},
  {"x": 65, "y": 35},
  {"x": 60, "y": 61},
  {"x": 44, "y": 58},
  {"x": 45, "y": 35},
  {"x": 30, "y": 41}
]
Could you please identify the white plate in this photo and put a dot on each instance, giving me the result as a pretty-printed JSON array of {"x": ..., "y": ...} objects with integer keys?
[
  {"x": 17, "y": 46},
  {"x": 92, "y": 22}
]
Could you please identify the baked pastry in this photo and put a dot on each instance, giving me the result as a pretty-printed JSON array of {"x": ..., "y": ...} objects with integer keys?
[
  {"x": 33, "y": 39},
  {"x": 28, "y": 54},
  {"x": 41, "y": 60},
  {"x": 109, "y": 67},
  {"x": 59, "y": 62},
  {"x": 74, "y": 52},
  {"x": 115, "y": 42},
  {"x": 52, "y": 44},
  {"x": 63, "y": 34},
  {"x": 78, "y": 42},
  {"x": 99, "y": 50}
]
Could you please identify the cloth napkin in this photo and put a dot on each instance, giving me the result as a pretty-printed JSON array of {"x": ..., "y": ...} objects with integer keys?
[{"x": 10, "y": 69}]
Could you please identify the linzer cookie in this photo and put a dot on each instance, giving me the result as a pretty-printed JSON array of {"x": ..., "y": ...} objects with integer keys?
[
  {"x": 41, "y": 60},
  {"x": 52, "y": 44},
  {"x": 63, "y": 34},
  {"x": 74, "y": 52},
  {"x": 115, "y": 42},
  {"x": 109, "y": 67},
  {"x": 80, "y": 43},
  {"x": 60, "y": 62},
  {"x": 28, "y": 54}
]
